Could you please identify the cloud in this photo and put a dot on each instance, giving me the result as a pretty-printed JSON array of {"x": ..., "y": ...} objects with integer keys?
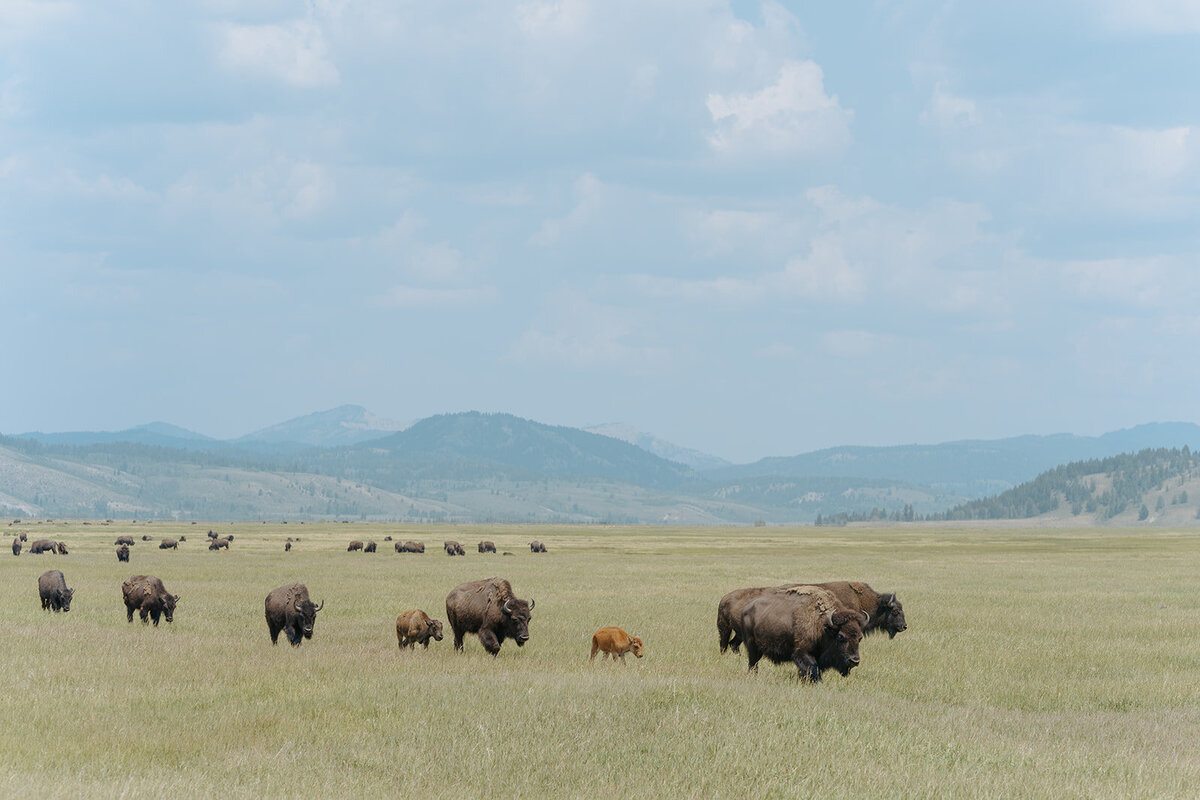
[
  {"x": 426, "y": 297},
  {"x": 791, "y": 117},
  {"x": 947, "y": 110},
  {"x": 580, "y": 334},
  {"x": 1170, "y": 17},
  {"x": 294, "y": 53}
]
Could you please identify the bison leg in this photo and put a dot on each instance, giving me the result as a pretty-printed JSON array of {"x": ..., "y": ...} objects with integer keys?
[
  {"x": 752, "y": 656},
  {"x": 274, "y": 630},
  {"x": 735, "y": 641},
  {"x": 489, "y": 641},
  {"x": 622, "y": 658},
  {"x": 129, "y": 612},
  {"x": 806, "y": 666},
  {"x": 155, "y": 614},
  {"x": 294, "y": 635},
  {"x": 145, "y": 615},
  {"x": 425, "y": 643},
  {"x": 458, "y": 640}
]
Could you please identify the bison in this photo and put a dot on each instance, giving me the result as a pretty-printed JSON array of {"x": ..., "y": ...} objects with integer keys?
[
  {"x": 147, "y": 595},
  {"x": 410, "y": 547},
  {"x": 62, "y": 548},
  {"x": 147, "y": 537},
  {"x": 219, "y": 543},
  {"x": 803, "y": 625},
  {"x": 885, "y": 611},
  {"x": 355, "y": 545},
  {"x": 212, "y": 535},
  {"x": 287, "y": 546},
  {"x": 453, "y": 548},
  {"x": 52, "y": 587},
  {"x": 415, "y": 627},
  {"x": 729, "y": 613},
  {"x": 168, "y": 544},
  {"x": 43, "y": 546},
  {"x": 487, "y": 547},
  {"x": 289, "y": 609},
  {"x": 184, "y": 538},
  {"x": 17, "y": 546},
  {"x": 123, "y": 553},
  {"x": 537, "y": 547},
  {"x": 369, "y": 547},
  {"x": 488, "y": 609},
  {"x": 614, "y": 642},
  {"x": 125, "y": 540}
]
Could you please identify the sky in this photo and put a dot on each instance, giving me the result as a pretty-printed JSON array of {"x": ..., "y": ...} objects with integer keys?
[{"x": 752, "y": 229}]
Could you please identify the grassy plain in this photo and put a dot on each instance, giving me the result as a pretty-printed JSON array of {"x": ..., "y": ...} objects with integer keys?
[{"x": 1038, "y": 663}]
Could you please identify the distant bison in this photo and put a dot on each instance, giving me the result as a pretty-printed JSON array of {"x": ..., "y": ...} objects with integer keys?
[
  {"x": 417, "y": 628},
  {"x": 184, "y": 538},
  {"x": 125, "y": 540},
  {"x": 289, "y": 609},
  {"x": 537, "y": 547},
  {"x": 16, "y": 547},
  {"x": 168, "y": 544},
  {"x": 62, "y": 548},
  {"x": 487, "y": 547},
  {"x": 212, "y": 535},
  {"x": 52, "y": 587},
  {"x": 123, "y": 553},
  {"x": 43, "y": 546},
  {"x": 147, "y": 538},
  {"x": 453, "y": 548},
  {"x": 355, "y": 545},
  {"x": 287, "y": 546},
  {"x": 410, "y": 547},
  {"x": 614, "y": 642},
  {"x": 147, "y": 595},
  {"x": 219, "y": 543},
  {"x": 387, "y": 538},
  {"x": 369, "y": 547},
  {"x": 804, "y": 626},
  {"x": 489, "y": 609}
]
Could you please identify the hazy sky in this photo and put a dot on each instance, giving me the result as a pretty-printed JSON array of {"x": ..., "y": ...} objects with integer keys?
[{"x": 752, "y": 229}]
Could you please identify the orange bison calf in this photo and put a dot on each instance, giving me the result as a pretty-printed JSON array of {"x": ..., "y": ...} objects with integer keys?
[
  {"x": 616, "y": 643},
  {"x": 415, "y": 627}
]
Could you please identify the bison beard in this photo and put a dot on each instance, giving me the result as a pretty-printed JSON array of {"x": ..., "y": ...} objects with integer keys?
[
  {"x": 489, "y": 610},
  {"x": 289, "y": 609}
]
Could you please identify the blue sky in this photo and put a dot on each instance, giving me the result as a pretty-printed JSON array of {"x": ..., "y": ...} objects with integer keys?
[{"x": 752, "y": 229}]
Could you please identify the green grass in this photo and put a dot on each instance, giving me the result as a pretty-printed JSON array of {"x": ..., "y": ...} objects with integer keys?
[{"x": 1037, "y": 664}]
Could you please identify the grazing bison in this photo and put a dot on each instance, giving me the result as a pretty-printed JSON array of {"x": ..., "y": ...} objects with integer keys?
[
  {"x": 212, "y": 535},
  {"x": 43, "y": 546},
  {"x": 369, "y": 547},
  {"x": 537, "y": 547},
  {"x": 411, "y": 547},
  {"x": 184, "y": 538},
  {"x": 147, "y": 537},
  {"x": 62, "y": 548},
  {"x": 803, "y": 625},
  {"x": 16, "y": 547},
  {"x": 453, "y": 548},
  {"x": 168, "y": 544},
  {"x": 287, "y": 546},
  {"x": 488, "y": 609},
  {"x": 125, "y": 540},
  {"x": 487, "y": 547},
  {"x": 387, "y": 538},
  {"x": 219, "y": 543},
  {"x": 616, "y": 643},
  {"x": 417, "y": 628},
  {"x": 289, "y": 610},
  {"x": 52, "y": 587},
  {"x": 355, "y": 545},
  {"x": 884, "y": 610},
  {"x": 23, "y": 537},
  {"x": 147, "y": 595},
  {"x": 507, "y": 553},
  {"x": 123, "y": 553}
]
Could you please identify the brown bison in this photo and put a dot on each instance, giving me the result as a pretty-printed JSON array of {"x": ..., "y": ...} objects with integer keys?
[
  {"x": 616, "y": 643},
  {"x": 885, "y": 611},
  {"x": 453, "y": 548},
  {"x": 537, "y": 547},
  {"x": 16, "y": 547},
  {"x": 488, "y": 609},
  {"x": 52, "y": 587},
  {"x": 387, "y": 538},
  {"x": 43, "y": 546},
  {"x": 805, "y": 626},
  {"x": 125, "y": 540},
  {"x": 355, "y": 545},
  {"x": 168, "y": 544},
  {"x": 123, "y": 553},
  {"x": 410, "y": 547},
  {"x": 487, "y": 547},
  {"x": 184, "y": 538},
  {"x": 287, "y": 546},
  {"x": 147, "y": 595},
  {"x": 219, "y": 543},
  {"x": 147, "y": 537},
  {"x": 212, "y": 535},
  {"x": 417, "y": 628},
  {"x": 289, "y": 609},
  {"x": 369, "y": 547},
  {"x": 729, "y": 613}
]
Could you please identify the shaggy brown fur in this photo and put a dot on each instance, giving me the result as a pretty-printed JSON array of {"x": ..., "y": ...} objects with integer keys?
[
  {"x": 489, "y": 609},
  {"x": 789, "y": 626},
  {"x": 147, "y": 595},
  {"x": 415, "y": 627},
  {"x": 52, "y": 587}
]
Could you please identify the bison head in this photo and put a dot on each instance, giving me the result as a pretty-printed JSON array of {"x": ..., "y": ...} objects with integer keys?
[
  {"x": 890, "y": 615},
  {"x": 635, "y": 646},
  {"x": 64, "y": 598},
  {"x": 168, "y": 606},
  {"x": 435, "y": 629},
  {"x": 308, "y": 613},
  {"x": 846, "y": 630},
  {"x": 516, "y": 620}
]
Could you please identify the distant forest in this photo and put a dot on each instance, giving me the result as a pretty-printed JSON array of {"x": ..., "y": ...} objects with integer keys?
[{"x": 1079, "y": 484}]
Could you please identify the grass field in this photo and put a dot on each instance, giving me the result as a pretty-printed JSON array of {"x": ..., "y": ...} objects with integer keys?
[{"x": 1060, "y": 663}]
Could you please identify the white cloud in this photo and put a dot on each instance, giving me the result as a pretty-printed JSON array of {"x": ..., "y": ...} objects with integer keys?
[
  {"x": 948, "y": 110},
  {"x": 791, "y": 117},
  {"x": 1150, "y": 16},
  {"x": 590, "y": 197},
  {"x": 294, "y": 53},
  {"x": 553, "y": 19}
]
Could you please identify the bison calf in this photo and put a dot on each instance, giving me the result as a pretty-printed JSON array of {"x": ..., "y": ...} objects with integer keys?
[
  {"x": 614, "y": 642},
  {"x": 147, "y": 595},
  {"x": 415, "y": 627},
  {"x": 289, "y": 609},
  {"x": 52, "y": 587}
]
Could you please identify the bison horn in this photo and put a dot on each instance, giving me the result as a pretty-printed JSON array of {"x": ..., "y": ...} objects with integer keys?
[
  {"x": 531, "y": 601},
  {"x": 866, "y": 618},
  {"x": 829, "y": 620},
  {"x": 318, "y": 608},
  {"x": 507, "y": 607},
  {"x": 297, "y": 606}
]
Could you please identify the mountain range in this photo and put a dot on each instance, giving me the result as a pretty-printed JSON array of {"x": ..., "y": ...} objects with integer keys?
[{"x": 462, "y": 467}]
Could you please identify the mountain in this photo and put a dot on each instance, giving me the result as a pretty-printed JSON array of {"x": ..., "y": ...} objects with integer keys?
[
  {"x": 659, "y": 447},
  {"x": 344, "y": 425},
  {"x": 158, "y": 434},
  {"x": 975, "y": 468}
]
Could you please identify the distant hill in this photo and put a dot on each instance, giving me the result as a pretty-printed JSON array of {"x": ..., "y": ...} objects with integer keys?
[
  {"x": 975, "y": 468},
  {"x": 159, "y": 434},
  {"x": 659, "y": 447},
  {"x": 344, "y": 425}
]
